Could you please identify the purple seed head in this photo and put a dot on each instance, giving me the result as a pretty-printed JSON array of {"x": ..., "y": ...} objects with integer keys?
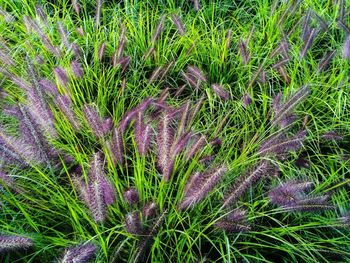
[
  {"x": 14, "y": 243},
  {"x": 61, "y": 75},
  {"x": 101, "y": 51},
  {"x": 235, "y": 221},
  {"x": 150, "y": 210},
  {"x": 246, "y": 100},
  {"x": 220, "y": 91},
  {"x": 82, "y": 254},
  {"x": 133, "y": 223},
  {"x": 131, "y": 196},
  {"x": 77, "y": 69}
]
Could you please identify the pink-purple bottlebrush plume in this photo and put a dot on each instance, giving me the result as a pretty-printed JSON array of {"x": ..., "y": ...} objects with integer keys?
[
  {"x": 14, "y": 243},
  {"x": 198, "y": 145},
  {"x": 63, "y": 35},
  {"x": 41, "y": 14},
  {"x": 197, "y": 73},
  {"x": 124, "y": 62},
  {"x": 6, "y": 58},
  {"x": 131, "y": 196},
  {"x": 306, "y": 28},
  {"x": 196, "y": 5},
  {"x": 48, "y": 87},
  {"x": 165, "y": 138},
  {"x": 61, "y": 76},
  {"x": 6, "y": 180},
  {"x": 117, "y": 146},
  {"x": 79, "y": 254},
  {"x": 98, "y": 12},
  {"x": 37, "y": 104},
  {"x": 15, "y": 79},
  {"x": 101, "y": 51},
  {"x": 220, "y": 91},
  {"x": 16, "y": 151},
  {"x": 96, "y": 123},
  {"x": 64, "y": 103},
  {"x": 180, "y": 145},
  {"x": 33, "y": 135},
  {"x": 346, "y": 48},
  {"x": 121, "y": 45},
  {"x": 332, "y": 135},
  {"x": 243, "y": 51},
  {"x": 326, "y": 60},
  {"x": 291, "y": 196},
  {"x": 77, "y": 69},
  {"x": 235, "y": 221},
  {"x": 143, "y": 134},
  {"x": 133, "y": 223},
  {"x": 246, "y": 100},
  {"x": 147, "y": 238},
  {"x": 243, "y": 182},
  {"x": 76, "y": 50},
  {"x": 76, "y": 6},
  {"x": 280, "y": 144},
  {"x": 289, "y": 192},
  {"x": 286, "y": 108},
  {"x": 199, "y": 186},
  {"x": 149, "y": 210},
  {"x": 191, "y": 80},
  {"x": 155, "y": 74},
  {"x": 179, "y": 25},
  {"x": 310, "y": 38},
  {"x": 158, "y": 29}
]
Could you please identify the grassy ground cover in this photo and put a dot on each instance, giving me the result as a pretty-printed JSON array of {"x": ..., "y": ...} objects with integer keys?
[{"x": 174, "y": 131}]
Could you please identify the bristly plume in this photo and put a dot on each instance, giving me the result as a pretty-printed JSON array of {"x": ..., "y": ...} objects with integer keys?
[
  {"x": 133, "y": 223},
  {"x": 48, "y": 87},
  {"x": 41, "y": 13},
  {"x": 65, "y": 105},
  {"x": 33, "y": 135},
  {"x": 131, "y": 196},
  {"x": 305, "y": 30},
  {"x": 289, "y": 192},
  {"x": 80, "y": 254},
  {"x": 16, "y": 151},
  {"x": 180, "y": 144},
  {"x": 63, "y": 35},
  {"x": 148, "y": 237},
  {"x": 196, "y": 5},
  {"x": 326, "y": 60},
  {"x": 346, "y": 48},
  {"x": 61, "y": 75},
  {"x": 235, "y": 221},
  {"x": 196, "y": 147},
  {"x": 179, "y": 25},
  {"x": 101, "y": 51},
  {"x": 37, "y": 104},
  {"x": 158, "y": 29},
  {"x": 283, "y": 74},
  {"x": 155, "y": 74},
  {"x": 98, "y": 12},
  {"x": 7, "y": 180},
  {"x": 286, "y": 109},
  {"x": 13, "y": 243},
  {"x": 220, "y": 91},
  {"x": 332, "y": 135},
  {"x": 15, "y": 79},
  {"x": 76, "y": 6},
  {"x": 117, "y": 146},
  {"x": 124, "y": 63},
  {"x": 243, "y": 51},
  {"x": 165, "y": 138},
  {"x": 6, "y": 58},
  {"x": 143, "y": 134},
  {"x": 246, "y": 100},
  {"x": 280, "y": 144},
  {"x": 77, "y": 69},
  {"x": 95, "y": 121},
  {"x": 150, "y": 210},
  {"x": 228, "y": 38},
  {"x": 122, "y": 41},
  {"x": 200, "y": 185},
  {"x": 310, "y": 38},
  {"x": 310, "y": 204},
  {"x": 197, "y": 73},
  {"x": 243, "y": 182},
  {"x": 191, "y": 80}
]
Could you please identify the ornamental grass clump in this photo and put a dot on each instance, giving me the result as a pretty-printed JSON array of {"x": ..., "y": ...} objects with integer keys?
[{"x": 183, "y": 132}]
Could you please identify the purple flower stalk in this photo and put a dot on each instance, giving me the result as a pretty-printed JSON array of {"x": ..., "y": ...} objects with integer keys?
[
  {"x": 64, "y": 35},
  {"x": 197, "y": 73},
  {"x": 101, "y": 51},
  {"x": 332, "y": 135},
  {"x": 131, "y": 196},
  {"x": 143, "y": 135},
  {"x": 196, "y": 147},
  {"x": 76, "y": 6},
  {"x": 77, "y": 69},
  {"x": 11, "y": 243},
  {"x": 244, "y": 182},
  {"x": 61, "y": 75},
  {"x": 65, "y": 105},
  {"x": 117, "y": 146},
  {"x": 220, "y": 91},
  {"x": 243, "y": 50},
  {"x": 179, "y": 25},
  {"x": 149, "y": 210},
  {"x": 133, "y": 223},
  {"x": 246, "y": 100},
  {"x": 158, "y": 29},
  {"x": 82, "y": 254},
  {"x": 199, "y": 186},
  {"x": 235, "y": 221},
  {"x": 94, "y": 120}
]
